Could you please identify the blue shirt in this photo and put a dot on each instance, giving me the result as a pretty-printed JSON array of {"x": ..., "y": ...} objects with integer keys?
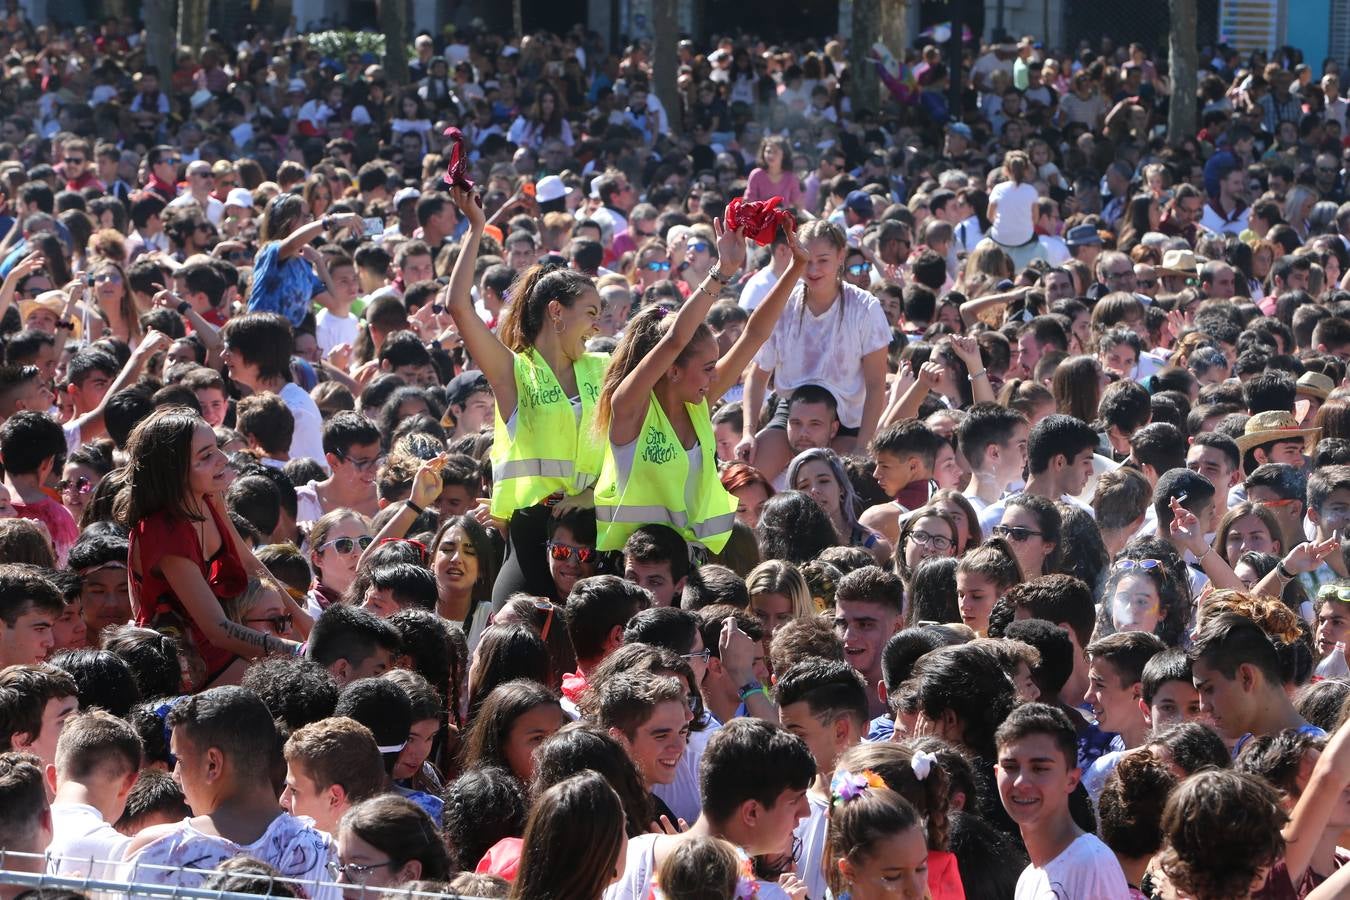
[{"x": 284, "y": 286}]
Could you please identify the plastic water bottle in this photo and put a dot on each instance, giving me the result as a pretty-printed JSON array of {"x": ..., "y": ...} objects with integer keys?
[{"x": 1334, "y": 664}]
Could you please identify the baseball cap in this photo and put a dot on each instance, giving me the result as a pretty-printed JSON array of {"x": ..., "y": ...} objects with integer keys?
[
  {"x": 465, "y": 385},
  {"x": 239, "y": 197},
  {"x": 861, "y": 203},
  {"x": 296, "y": 86},
  {"x": 962, "y": 129},
  {"x": 404, "y": 194}
]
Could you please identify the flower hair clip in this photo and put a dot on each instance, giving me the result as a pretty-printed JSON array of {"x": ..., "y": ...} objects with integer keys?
[
  {"x": 747, "y": 886},
  {"x": 848, "y": 786},
  {"x": 922, "y": 763}
]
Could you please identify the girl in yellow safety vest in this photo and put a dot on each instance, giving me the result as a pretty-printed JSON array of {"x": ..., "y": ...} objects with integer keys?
[
  {"x": 545, "y": 453},
  {"x": 660, "y": 465}
]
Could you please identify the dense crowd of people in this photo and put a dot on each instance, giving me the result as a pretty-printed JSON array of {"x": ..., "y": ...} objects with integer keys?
[{"x": 502, "y": 483}]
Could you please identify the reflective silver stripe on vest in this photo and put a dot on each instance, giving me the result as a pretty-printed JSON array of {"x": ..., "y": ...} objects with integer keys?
[
  {"x": 659, "y": 515},
  {"x": 535, "y": 468}
]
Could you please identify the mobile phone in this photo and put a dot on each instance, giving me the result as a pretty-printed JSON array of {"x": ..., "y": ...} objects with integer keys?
[
  {"x": 373, "y": 225},
  {"x": 527, "y": 189}
]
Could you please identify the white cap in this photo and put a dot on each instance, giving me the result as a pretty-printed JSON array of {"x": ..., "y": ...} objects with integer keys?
[
  {"x": 201, "y": 98},
  {"x": 509, "y": 50},
  {"x": 239, "y": 197},
  {"x": 406, "y": 193},
  {"x": 296, "y": 86}
]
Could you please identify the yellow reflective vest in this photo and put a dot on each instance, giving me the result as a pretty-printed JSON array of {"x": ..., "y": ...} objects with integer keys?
[
  {"x": 651, "y": 490},
  {"x": 551, "y": 450}
]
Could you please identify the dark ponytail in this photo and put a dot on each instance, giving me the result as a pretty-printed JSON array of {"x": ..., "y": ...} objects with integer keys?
[{"x": 530, "y": 294}]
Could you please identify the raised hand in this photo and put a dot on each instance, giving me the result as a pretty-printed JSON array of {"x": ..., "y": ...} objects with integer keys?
[
  {"x": 730, "y": 248},
  {"x": 468, "y": 207}
]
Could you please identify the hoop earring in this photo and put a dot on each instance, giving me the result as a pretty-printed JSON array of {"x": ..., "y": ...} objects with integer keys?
[{"x": 557, "y": 326}]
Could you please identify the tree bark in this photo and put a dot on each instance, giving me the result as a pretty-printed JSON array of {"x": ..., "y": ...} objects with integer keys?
[
  {"x": 866, "y": 30},
  {"x": 894, "y": 19},
  {"x": 394, "y": 22},
  {"x": 192, "y": 24},
  {"x": 1182, "y": 64},
  {"x": 159, "y": 36},
  {"x": 665, "y": 60}
]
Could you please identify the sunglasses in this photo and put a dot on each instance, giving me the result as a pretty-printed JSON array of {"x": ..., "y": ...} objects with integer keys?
[
  {"x": 702, "y": 656},
  {"x": 1016, "y": 532},
  {"x": 858, "y": 269},
  {"x": 547, "y": 608},
  {"x": 280, "y": 624},
  {"x": 74, "y": 161},
  {"x": 699, "y": 247},
  {"x": 345, "y": 545},
  {"x": 656, "y": 266},
  {"x": 81, "y": 485},
  {"x": 1334, "y": 591},
  {"x": 420, "y": 547},
  {"x": 238, "y": 256},
  {"x": 1126, "y": 565},
  {"x": 563, "y": 552},
  {"x": 1279, "y": 503},
  {"x": 1148, "y": 282},
  {"x": 113, "y": 277}
]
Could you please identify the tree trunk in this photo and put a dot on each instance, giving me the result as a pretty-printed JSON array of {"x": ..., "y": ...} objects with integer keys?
[
  {"x": 866, "y": 31},
  {"x": 394, "y": 22},
  {"x": 894, "y": 19},
  {"x": 1182, "y": 64},
  {"x": 665, "y": 60},
  {"x": 192, "y": 24},
  {"x": 159, "y": 36}
]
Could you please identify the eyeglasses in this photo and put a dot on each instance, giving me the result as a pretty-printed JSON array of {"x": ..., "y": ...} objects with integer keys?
[
  {"x": 936, "y": 541},
  {"x": 77, "y": 161},
  {"x": 110, "y": 276},
  {"x": 345, "y": 545},
  {"x": 858, "y": 269},
  {"x": 82, "y": 485},
  {"x": 361, "y": 465},
  {"x": 242, "y": 256},
  {"x": 1016, "y": 532},
  {"x": 699, "y": 247},
  {"x": 206, "y": 175},
  {"x": 1147, "y": 282},
  {"x": 659, "y": 266},
  {"x": 1125, "y": 274},
  {"x": 281, "y": 624},
  {"x": 1126, "y": 565},
  {"x": 563, "y": 552},
  {"x": 356, "y": 873}
]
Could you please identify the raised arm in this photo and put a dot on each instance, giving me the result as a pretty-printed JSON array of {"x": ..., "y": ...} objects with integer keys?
[
  {"x": 23, "y": 268},
  {"x": 301, "y": 236},
  {"x": 762, "y": 322},
  {"x": 629, "y": 402},
  {"x": 494, "y": 358}
]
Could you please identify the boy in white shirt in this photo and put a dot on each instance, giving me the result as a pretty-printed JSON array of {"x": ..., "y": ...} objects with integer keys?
[
  {"x": 335, "y": 323},
  {"x": 1037, "y": 771},
  {"x": 98, "y": 757}
]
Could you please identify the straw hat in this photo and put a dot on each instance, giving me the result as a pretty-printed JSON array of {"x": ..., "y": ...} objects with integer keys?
[
  {"x": 1314, "y": 384},
  {"x": 1276, "y": 425},
  {"x": 53, "y": 302},
  {"x": 1179, "y": 262}
]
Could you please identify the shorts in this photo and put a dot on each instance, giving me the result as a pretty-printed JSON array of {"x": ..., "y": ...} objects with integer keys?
[{"x": 780, "y": 417}]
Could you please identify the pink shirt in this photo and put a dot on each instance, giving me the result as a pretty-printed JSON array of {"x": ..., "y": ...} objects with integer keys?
[{"x": 760, "y": 187}]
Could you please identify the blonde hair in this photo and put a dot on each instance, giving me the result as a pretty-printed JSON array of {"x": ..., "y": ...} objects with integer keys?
[{"x": 779, "y": 577}]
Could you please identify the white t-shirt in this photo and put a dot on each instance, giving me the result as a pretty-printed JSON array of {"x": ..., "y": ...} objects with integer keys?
[
  {"x": 308, "y": 437},
  {"x": 681, "y": 795},
  {"x": 1086, "y": 870},
  {"x": 811, "y": 832},
  {"x": 827, "y": 350},
  {"x": 757, "y": 287},
  {"x": 331, "y": 330},
  {"x": 215, "y": 210},
  {"x": 79, "y": 834},
  {"x": 1013, "y": 222}
]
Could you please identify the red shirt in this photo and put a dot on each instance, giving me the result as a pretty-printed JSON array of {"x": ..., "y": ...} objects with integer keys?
[{"x": 153, "y": 602}]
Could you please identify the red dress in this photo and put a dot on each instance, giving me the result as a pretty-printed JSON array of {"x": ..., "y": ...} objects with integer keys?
[{"x": 165, "y": 534}]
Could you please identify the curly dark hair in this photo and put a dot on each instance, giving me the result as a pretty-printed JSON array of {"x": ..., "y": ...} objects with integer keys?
[
  {"x": 1130, "y": 807},
  {"x": 1221, "y": 829}
]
